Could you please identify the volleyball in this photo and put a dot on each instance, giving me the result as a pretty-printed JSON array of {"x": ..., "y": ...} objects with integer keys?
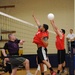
[{"x": 50, "y": 16}]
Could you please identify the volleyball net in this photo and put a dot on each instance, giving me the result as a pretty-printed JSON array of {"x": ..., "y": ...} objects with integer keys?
[{"x": 23, "y": 30}]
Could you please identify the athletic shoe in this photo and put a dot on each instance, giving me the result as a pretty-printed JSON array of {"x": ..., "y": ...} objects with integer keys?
[
  {"x": 64, "y": 71},
  {"x": 29, "y": 74},
  {"x": 58, "y": 74},
  {"x": 53, "y": 73}
]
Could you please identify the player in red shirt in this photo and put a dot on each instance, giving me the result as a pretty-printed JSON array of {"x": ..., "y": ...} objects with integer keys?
[
  {"x": 41, "y": 40},
  {"x": 60, "y": 38}
]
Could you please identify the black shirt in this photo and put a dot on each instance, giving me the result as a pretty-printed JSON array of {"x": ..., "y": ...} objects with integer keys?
[{"x": 12, "y": 47}]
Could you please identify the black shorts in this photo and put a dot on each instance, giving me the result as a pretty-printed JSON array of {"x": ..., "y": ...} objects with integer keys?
[
  {"x": 41, "y": 54},
  {"x": 61, "y": 56}
]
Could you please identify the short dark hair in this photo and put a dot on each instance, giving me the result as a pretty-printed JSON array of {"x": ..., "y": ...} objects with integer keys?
[
  {"x": 9, "y": 35},
  {"x": 63, "y": 31},
  {"x": 45, "y": 26},
  {"x": 71, "y": 29}
]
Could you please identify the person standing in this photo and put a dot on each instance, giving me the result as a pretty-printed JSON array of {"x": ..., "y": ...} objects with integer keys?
[
  {"x": 60, "y": 45},
  {"x": 71, "y": 36},
  {"x": 71, "y": 40}
]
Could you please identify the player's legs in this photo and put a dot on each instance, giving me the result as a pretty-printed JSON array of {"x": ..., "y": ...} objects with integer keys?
[
  {"x": 42, "y": 58},
  {"x": 63, "y": 67},
  {"x": 45, "y": 67},
  {"x": 59, "y": 68},
  {"x": 60, "y": 60},
  {"x": 36, "y": 72},
  {"x": 42, "y": 68},
  {"x": 46, "y": 63},
  {"x": 49, "y": 66},
  {"x": 38, "y": 69},
  {"x": 27, "y": 66},
  {"x": 64, "y": 64},
  {"x": 20, "y": 60},
  {"x": 14, "y": 71}
]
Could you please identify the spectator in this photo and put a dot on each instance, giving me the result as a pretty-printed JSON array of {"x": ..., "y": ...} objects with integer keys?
[
  {"x": 71, "y": 36},
  {"x": 71, "y": 40}
]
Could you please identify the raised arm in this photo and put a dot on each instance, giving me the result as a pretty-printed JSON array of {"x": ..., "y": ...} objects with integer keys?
[
  {"x": 55, "y": 28},
  {"x": 36, "y": 20}
]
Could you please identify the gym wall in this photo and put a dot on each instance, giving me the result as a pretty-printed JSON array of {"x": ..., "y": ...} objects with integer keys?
[{"x": 62, "y": 9}]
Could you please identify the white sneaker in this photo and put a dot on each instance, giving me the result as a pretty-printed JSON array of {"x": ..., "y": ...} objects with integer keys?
[
  {"x": 64, "y": 71},
  {"x": 58, "y": 74},
  {"x": 29, "y": 74}
]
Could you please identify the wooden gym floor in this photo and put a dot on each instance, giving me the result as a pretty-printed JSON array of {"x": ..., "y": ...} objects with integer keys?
[{"x": 22, "y": 72}]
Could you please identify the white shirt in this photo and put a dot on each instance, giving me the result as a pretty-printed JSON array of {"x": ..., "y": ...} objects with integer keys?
[{"x": 71, "y": 36}]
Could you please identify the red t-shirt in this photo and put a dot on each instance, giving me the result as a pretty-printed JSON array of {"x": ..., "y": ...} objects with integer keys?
[
  {"x": 60, "y": 42},
  {"x": 38, "y": 36}
]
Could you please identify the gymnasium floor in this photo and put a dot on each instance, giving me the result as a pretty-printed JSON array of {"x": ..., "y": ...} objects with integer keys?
[{"x": 22, "y": 72}]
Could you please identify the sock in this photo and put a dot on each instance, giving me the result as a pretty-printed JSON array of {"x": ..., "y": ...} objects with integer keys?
[
  {"x": 42, "y": 73},
  {"x": 50, "y": 69},
  {"x": 58, "y": 71},
  {"x": 63, "y": 68}
]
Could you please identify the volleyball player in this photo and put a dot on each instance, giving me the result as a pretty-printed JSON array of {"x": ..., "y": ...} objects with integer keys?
[
  {"x": 13, "y": 48},
  {"x": 41, "y": 40},
  {"x": 60, "y": 39}
]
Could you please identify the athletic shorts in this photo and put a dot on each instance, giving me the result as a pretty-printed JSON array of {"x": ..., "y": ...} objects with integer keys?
[
  {"x": 61, "y": 56},
  {"x": 45, "y": 68},
  {"x": 41, "y": 54},
  {"x": 17, "y": 61}
]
